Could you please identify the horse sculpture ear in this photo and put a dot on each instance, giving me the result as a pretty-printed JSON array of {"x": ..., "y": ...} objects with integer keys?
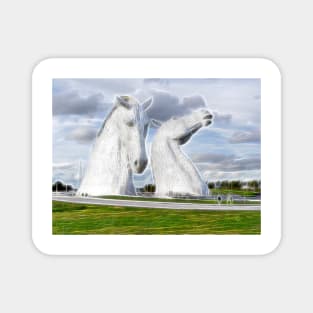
[
  {"x": 123, "y": 102},
  {"x": 146, "y": 104},
  {"x": 155, "y": 123}
]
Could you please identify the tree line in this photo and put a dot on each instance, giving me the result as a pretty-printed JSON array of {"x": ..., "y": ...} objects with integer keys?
[
  {"x": 253, "y": 185},
  {"x": 59, "y": 186}
]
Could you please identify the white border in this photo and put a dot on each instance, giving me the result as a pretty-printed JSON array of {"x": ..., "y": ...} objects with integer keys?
[{"x": 48, "y": 69}]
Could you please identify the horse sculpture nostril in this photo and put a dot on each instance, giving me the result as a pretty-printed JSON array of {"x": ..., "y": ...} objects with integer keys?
[
  {"x": 208, "y": 116},
  {"x": 140, "y": 165}
]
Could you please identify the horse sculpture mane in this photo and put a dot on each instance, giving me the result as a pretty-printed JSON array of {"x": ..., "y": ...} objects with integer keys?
[
  {"x": 119, "y": 150},
  {"x": 173, "y": 172}
]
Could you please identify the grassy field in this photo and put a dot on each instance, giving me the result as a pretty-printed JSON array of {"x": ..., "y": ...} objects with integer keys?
[
  {"x": 80, "y": 219},
  {"x": 244, "y": 193}
]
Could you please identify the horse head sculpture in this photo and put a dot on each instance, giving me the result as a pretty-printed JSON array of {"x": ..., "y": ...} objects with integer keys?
[
  {"x": 132, "y": 128},
  {"x": 173, "y": 172},
  {"x": 119, "y": 149}
]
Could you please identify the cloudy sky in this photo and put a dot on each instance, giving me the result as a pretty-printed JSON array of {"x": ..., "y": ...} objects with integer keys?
[{"x": 229, "y": 149}]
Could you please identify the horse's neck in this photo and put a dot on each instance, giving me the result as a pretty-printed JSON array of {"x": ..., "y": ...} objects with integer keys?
[
  {"x": 176, "y": 159},
  {"x": 183, "y": 162},
  {"x": 116, "y": 159}
]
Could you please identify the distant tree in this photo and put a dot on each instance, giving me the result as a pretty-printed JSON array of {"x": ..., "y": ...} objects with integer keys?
[
  {"x": 149, "y": 188},
  {"x": 59, "y": 186},
  {"x": 235, "y": 184},
  {"x": 211, "y": 185},
  {"x": 69, "y": 188},
  {"x": 253, "y": 184},
  {"x": 218, "y": 184},
  {"x": 225, "y": 184}
]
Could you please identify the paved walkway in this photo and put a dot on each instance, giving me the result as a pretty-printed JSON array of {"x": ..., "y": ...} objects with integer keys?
[{"x": 157, "y": 205}]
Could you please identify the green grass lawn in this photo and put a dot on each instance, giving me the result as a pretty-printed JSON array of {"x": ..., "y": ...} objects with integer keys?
[
  {"x": 81, "y": 219},
  {"x": 244, "y": 193},
  {"x": 210, "y": 201}
]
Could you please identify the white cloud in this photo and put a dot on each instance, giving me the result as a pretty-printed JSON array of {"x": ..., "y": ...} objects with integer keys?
[
  {"x": 211, "y": 157},
  {"x": 82, "y": 134},
  {"x": 212, "y": 176},
  {"x": 226, "y": 163},
  {"x": 72, "y": 102},
  {"x": 61, "y": 166},
  {"x": 166, "y": 104},
  {"x": 246, "y": 136},
  {"x": 221, "y": 118}
]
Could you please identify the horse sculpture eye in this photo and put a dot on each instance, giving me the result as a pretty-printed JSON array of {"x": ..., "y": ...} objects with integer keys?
[{"x": 130, "y": 123}]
